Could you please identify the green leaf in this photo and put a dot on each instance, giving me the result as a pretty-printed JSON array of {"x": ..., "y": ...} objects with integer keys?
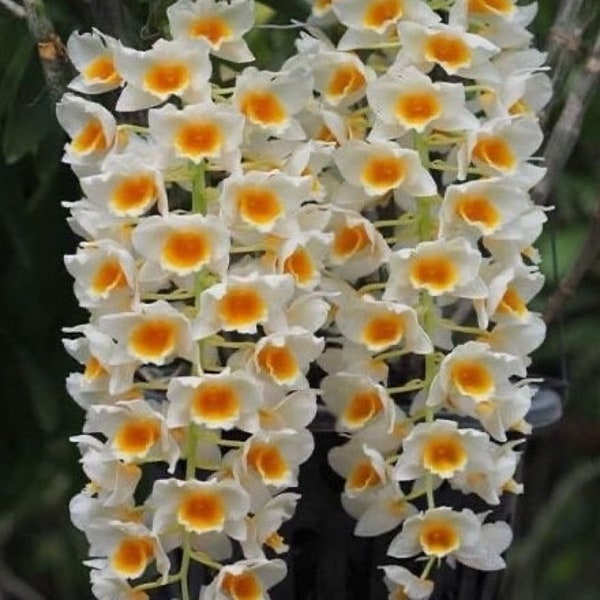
[
  {"x": 16, "y": 51},
  {"x": 30, "y": 120}
]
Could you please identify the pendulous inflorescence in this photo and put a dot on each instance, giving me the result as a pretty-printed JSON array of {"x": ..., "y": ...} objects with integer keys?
[{"x": 351, "y": 234}]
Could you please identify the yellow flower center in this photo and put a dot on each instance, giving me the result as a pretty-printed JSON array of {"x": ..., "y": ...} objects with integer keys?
[
  {"x": 512, "y": 303},
  {"x": 212, "y": 28},
  {"x": 90, "y": 138},
  {"x": 131, "y": 556},
  {"x": 495, "y": 152},
  {"x": 383, "y": 172},
  {"x": 259, "y": 205},
  {"x": 200, "y": 139},
  {"x": 439, "y": 538},
  {"x": 201, "y": 511},
  {"x": 349, "y": 240},
  {"x": 382, "y": 12},
  {"x": 418, "y": 108},
  {"x": 436, "y": 273},
  {"x": 345, "y": 80},
  {"x": 472, "y": 378},
  {"x": 93, "y": 369},
  {"x": 133, "y": 195},
  {"x": 108, "y": 276},
  {"x": 382, "y": 331},
  {"x": 448, "y": 50},
  {"x": 153, "y": 339},
  {"x": 498, "y": 7},
  {"x": 241, "y": 306},
  {"x": 101, "y": 70},
  {"x": 244, "y": 586},
  {"x": 263, "y": 108},
  {"x": 278, "y": 362},
  {"x": 444, "y": 454},
  {"x": 214, "y": 402},
  {"x": 478, "y": 210},
  {"x": 186, "y": 250},
  {"x": 362, "y": 477},
  {"x": 135, "y": 437},
  {"x": 299, "y": 264},
  {"x": 168, "y": 77},
  {"x": 361, "y": 408},
  {"x": 268, "y": 461}
]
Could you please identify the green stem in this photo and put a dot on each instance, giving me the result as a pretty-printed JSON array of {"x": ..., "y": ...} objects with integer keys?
[
  {"x": 205, "y": 559},
  {"x": 230, "y": 443},
  {"x": 403, "y": 220},
  {"x": 150, "y": 585},
  {"x": 199, "y": 198},
  {"x": 221, "y": 343},
  {"x": 391, "y": 354},
  {"x": 179, "y": 295},
  {"x": 462, "y": 328},
  {"x": 428, "y": 567},
  {"x": 414, "y": 495},
  {"x": 370, "y": 287},
  {"x": 415, "y": 384},
  {"x": 190, "y": 473},
  {"x": 247, "y": 249},
  {"x": 199, "y": 206}
]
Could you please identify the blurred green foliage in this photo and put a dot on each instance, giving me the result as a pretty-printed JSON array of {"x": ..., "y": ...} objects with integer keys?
[{"x": 39, "y": 548}]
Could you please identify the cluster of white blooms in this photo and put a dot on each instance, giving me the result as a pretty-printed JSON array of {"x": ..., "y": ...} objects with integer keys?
[{"x": 351, "y": 233}]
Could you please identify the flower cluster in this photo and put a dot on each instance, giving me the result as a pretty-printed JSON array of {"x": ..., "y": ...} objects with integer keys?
[{"x": 353, "y": 234}]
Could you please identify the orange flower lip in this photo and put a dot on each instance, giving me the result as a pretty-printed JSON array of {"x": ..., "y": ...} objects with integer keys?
[
  {"x": 108, "y": 277},
  {"x": 167, "y": 77},
  {"x": 263, "y": 107},
  {"x": 363, "y": 406},
  {"x": 215, "y": 402},
  {"x": 268, "y": 461},
  {"x": 345, "y": 80},
  {"x": 473, "y": 378},
  {"x": 202, "y": 511},
  {"x": 349, "y": 240},
  {"x": 279, "y": 362},
  {"x": 212, "y": 28},
  {"x": 137, "y": 436},
  {"x": 153, "y": 339},
  {"x": 437, "y": 273},
  {"x": 242, "y": 306},
  {"x": 133, "y": 194},
  {"x": 199, "y": 139},
  {"x": 418, "y": 108},
  {"x": 381, "y": 12},
  {"x": 186, "y": 250},
  {"x": 439, "y": 538},
  {"x": 90, "y": 138},
  {"x": 244, "y": 586},
  {"x": 448, "y": 50},
  {"x": 383, "y": 331},
  {"x": 478, "y": 210},
  {"x": 259, "y": 205},
  {"x": 102, "y": 70},
  {"x": 495, "y": 152},
  {"x": 443, "y": 455},
  {"x": 383, "y": 172},
  {"x": 132, "y": 555}
]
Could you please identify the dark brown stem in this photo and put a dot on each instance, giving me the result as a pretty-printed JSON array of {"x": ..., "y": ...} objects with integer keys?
[
  {"x": 16, "y": 9},
  {"x": 109, "y": 17},
  {"x": 563, "y": 46},
  {"x": 587, "y": 254},
  {"x": 51, "y": 50},
  {"x": 567, "y": 129}
]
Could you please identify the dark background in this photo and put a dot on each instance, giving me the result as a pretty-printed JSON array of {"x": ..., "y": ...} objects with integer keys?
[{"x": 556, "y": 552}]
